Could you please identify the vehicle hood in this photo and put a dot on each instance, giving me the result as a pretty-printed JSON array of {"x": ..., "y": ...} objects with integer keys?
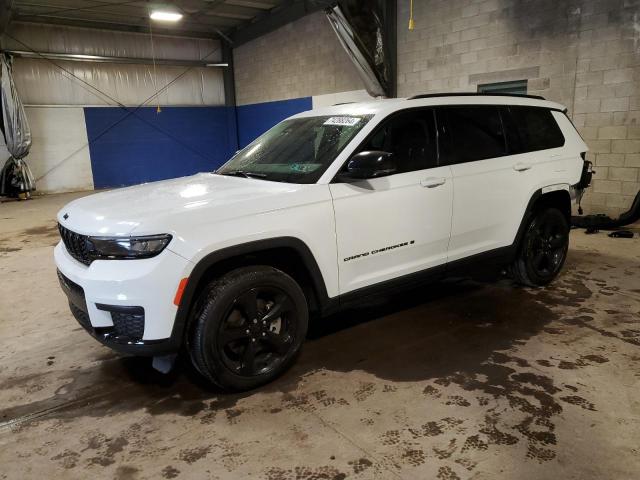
[{"x": 157, "y": 207}]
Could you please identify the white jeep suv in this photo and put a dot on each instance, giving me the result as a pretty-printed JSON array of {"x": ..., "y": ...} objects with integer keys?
[{"x": 329, "y": 206}]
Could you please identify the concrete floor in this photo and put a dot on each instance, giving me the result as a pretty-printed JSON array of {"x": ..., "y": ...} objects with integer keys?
[{"x": 460, "y": 380}]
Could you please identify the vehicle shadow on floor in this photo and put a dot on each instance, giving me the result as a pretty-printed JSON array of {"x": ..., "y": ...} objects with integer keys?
[
  {"x": 419, "y": 334},
  {"x": 427, "y": 333}
]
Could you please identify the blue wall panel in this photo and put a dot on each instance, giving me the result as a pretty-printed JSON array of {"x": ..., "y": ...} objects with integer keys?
[
  {"x": 255, "y": 119},
  {"x": 130, "y": 149}
]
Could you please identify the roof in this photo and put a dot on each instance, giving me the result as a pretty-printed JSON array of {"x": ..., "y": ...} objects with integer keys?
[{"x": 386, "y": 106}]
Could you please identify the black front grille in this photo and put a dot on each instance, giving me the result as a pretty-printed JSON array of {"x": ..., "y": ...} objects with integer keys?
[{"x": 76, "y": 244}]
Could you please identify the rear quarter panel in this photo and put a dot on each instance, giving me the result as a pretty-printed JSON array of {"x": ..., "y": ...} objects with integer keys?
[{"x": 568, "y": 164}]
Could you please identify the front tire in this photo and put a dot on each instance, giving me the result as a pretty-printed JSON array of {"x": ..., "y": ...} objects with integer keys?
[
  {"x": 543, "y": 250},
  {"x": 249, "y": 327}
]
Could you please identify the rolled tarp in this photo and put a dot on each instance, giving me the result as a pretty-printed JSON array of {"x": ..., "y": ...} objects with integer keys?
[
  {"x": 15, "y": 177},
  {"x": 359, "y": 26}
]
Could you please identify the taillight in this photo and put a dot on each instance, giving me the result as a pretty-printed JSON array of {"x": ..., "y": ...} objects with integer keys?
[{"x": 587, "y": 172}]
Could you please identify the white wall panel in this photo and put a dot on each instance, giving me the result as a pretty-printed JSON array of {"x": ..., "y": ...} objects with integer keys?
[
  {"x": 62, "y": 39},
  {"x": 41, "y": 82},
  {"x": 59, "y": 156}
]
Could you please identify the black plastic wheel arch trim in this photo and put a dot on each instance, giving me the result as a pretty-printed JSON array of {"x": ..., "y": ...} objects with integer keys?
[
  {"x": 184, "y": 309},
  {"x": 537, "y": 195}
]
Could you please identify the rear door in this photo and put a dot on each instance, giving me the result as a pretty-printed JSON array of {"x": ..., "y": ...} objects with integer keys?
[{"x": 491, "y": 187}]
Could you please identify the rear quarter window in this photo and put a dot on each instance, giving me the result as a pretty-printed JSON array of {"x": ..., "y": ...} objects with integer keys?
[{"x": 534, "y": 128}]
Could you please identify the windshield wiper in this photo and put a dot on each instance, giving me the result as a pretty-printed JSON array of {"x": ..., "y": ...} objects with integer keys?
[{"x": 242, "y": 173}]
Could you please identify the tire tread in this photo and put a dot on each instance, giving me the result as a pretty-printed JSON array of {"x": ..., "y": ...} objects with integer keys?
[
  {"x": 518, "y": 269},
  {"x": 203, "y": 314}
]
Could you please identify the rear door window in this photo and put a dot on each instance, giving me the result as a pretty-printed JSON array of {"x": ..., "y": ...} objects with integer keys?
[{"x": 475, "y": 132}]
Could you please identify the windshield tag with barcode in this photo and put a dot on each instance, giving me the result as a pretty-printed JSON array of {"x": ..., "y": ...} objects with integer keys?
[{"x": 342, "y": 121}]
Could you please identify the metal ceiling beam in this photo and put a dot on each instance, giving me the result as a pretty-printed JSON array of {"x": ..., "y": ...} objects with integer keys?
[
  {"x": 267, "y": 22},
  {"x": 105, "y": 59},
  {"x": 252, "y": 4},
  {"x": 121, "y": 27},
  {"x": 57, "y": 9},
  {"x": 228, "y": 76},
  {"x": 136, "y": 16},
  {"x": 140, "y": 17}
]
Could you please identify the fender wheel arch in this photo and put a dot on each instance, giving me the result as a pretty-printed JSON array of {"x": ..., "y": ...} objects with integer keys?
[
  {"x": 560, "y": 199},
  {"x": 289, "y": 254}
]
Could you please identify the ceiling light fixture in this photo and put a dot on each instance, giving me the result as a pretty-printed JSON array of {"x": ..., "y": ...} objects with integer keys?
[{"x": 165, "y": 16}]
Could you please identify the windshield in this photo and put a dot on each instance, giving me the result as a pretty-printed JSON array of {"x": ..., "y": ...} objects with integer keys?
[{"x": 297, "y": 150}]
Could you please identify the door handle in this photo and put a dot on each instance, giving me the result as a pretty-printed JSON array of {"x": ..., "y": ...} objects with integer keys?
[
  {"x": 521, "y": 167},
  {"x": 432, "y": 182}
]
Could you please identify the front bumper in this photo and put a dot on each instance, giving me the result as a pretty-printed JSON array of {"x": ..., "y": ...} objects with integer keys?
[{"x": 126, "y": 305}]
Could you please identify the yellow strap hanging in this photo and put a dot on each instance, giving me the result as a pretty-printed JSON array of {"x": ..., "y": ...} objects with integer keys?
[{"x": 411, "y": 22}]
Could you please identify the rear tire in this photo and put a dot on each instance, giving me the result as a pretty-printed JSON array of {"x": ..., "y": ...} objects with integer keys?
[
  {"x": 543, "y": 249},
  {"x": 248, "y": 328}
]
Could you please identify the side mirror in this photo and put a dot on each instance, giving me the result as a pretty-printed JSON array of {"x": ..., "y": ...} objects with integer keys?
[{"x": 370, "y": 164}]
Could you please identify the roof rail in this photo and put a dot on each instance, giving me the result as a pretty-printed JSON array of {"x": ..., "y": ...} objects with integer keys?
[{"x": 474, "y": 94}]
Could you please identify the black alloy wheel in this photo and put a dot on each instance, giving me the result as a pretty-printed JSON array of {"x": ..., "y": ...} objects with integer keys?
[
  {"x": 548, "y": 246},
  {"x": 248, "y": 327},
  {"x": 544, "y": 248},
  {"x": 258, "y": 331}
]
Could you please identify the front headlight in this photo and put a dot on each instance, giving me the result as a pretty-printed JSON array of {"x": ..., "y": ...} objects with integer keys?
[{"x": 115, "y": 248}]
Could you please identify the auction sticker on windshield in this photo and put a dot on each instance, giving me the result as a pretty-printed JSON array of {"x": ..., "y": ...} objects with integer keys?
[{"x": 342, "y": 121}]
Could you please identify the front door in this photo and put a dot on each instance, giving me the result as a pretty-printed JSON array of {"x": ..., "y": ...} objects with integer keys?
[{"x": 399, "y": 224}]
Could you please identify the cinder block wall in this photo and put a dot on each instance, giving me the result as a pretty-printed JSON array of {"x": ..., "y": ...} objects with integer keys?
[
  {"x": 584, "y": 54},
  {"x": 301, "y": 59}
]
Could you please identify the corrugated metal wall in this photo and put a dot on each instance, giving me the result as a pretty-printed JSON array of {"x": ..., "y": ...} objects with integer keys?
[
  {"x": 41, "y": 82},
  {"x": 70, "y": 150}
]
